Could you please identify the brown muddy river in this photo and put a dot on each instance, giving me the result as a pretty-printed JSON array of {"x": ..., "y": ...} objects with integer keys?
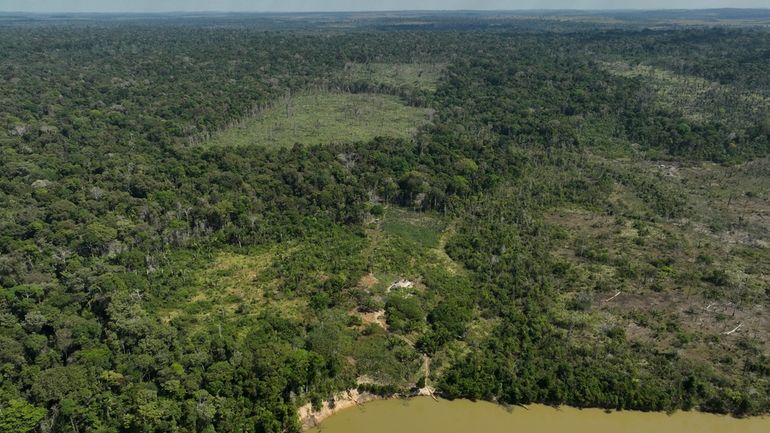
[{"x": 424, "y": 415}]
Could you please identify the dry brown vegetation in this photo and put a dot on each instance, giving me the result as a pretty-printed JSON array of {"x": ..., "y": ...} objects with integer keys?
[{"x": 697, "y": 286}]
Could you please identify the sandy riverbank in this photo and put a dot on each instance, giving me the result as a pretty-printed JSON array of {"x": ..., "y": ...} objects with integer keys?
[{"x": 310, "y": 418}]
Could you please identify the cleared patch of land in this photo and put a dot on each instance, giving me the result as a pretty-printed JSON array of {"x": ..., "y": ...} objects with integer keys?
[
  {"x": 695, "y": 286},
  {"x": 419, "y": 228},
  {"x": 235, "y": 286},
  {"x": 323, "y": 118}
]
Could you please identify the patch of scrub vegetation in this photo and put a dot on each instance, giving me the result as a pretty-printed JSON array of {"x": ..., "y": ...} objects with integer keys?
[
  {"x": 231, "y": 285},
  {"x": 731, "y": 203},
  {"x": 386, "y": 359},
  {"x": 416, "y": 227},
  {"x": 324, "y": 118},
  {"x": 408, "y": 244},
  {"x": 422, "y": 76},
  {"x": 671, "y": 285},
  {"x": 321, "y": 284},
  {"x": 697, "y": 99}
]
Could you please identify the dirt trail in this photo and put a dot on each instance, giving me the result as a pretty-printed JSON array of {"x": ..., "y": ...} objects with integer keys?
[{"x": 426, "y": 389}]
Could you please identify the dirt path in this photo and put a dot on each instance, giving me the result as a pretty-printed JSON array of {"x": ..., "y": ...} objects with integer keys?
[{"x": 427, "y": 389}]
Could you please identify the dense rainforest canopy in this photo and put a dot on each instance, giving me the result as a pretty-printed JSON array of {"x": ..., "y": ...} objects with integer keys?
[{"x": 558, "y": 211}]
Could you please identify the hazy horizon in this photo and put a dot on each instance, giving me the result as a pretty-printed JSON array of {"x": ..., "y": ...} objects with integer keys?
[{"x": 114, "y": 6}]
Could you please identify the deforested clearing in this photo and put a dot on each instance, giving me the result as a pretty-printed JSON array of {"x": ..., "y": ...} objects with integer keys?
[{"x": 324, "y": 118}]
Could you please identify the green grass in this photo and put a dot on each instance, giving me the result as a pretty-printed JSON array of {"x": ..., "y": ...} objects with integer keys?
[
  {"x": 422, "y": 76},
  {"x": 234, "y": 285},
  {"x": 323, "y": 118},
  {"x": 416, "y": 227},
  {"x": 400, "y": 245}
]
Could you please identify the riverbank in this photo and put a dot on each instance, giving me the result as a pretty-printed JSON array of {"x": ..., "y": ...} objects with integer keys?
[{"x": 310, "y": 418}]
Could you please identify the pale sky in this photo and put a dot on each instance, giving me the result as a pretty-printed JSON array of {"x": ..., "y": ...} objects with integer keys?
[{"x": 355, "y": 5}]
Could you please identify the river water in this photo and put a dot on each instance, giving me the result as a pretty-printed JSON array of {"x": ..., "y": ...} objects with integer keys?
[{"x": 424, "y": 415}]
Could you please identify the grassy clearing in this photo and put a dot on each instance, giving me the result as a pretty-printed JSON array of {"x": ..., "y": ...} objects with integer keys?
[
  {"x": 416, "y": 227},
  {"x": 324, "y": 117},
  {"x": 423, "y": 76},
  {"x": 406, "y": 244},
  {"x": 235, "y": 285}
]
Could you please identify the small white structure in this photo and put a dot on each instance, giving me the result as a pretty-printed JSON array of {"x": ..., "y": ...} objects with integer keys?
[{"x": 401, "y": 284}]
